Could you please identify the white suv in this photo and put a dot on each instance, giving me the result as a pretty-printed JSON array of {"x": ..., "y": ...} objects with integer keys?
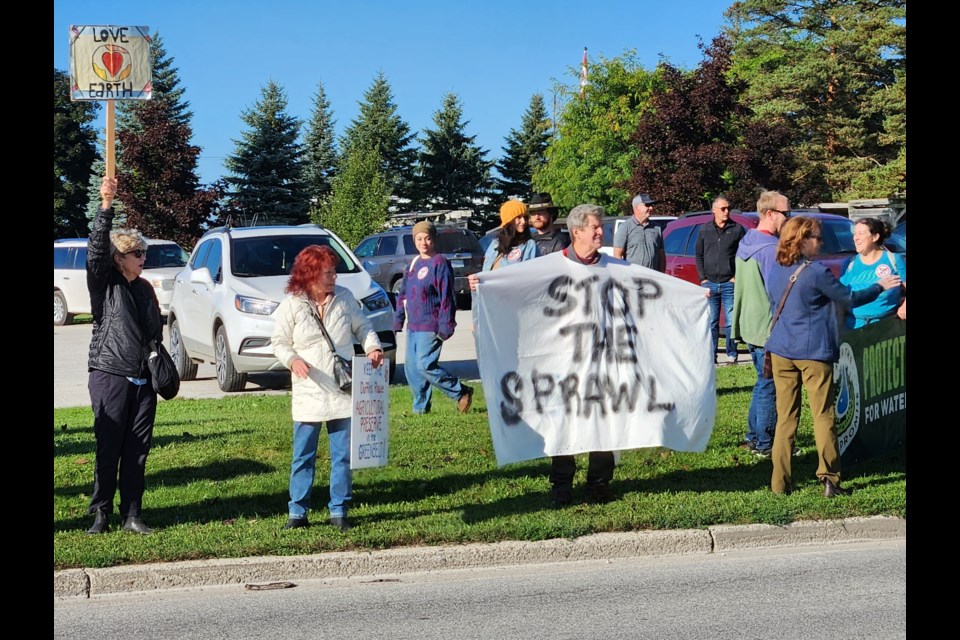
[
  {"x": 223, "y": 301},
  {"x": 70, "y": 295}
]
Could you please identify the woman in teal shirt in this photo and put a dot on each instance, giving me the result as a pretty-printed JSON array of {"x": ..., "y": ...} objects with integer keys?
[{"x": 871, "y": 263}]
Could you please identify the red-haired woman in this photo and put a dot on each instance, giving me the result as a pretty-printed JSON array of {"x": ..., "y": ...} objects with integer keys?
[{"x": 299, "y": 343}]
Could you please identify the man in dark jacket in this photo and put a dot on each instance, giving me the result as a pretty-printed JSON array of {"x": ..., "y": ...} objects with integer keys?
[
  {"x": 548, "y": 236},
  {"x": 716, "y": 253}
]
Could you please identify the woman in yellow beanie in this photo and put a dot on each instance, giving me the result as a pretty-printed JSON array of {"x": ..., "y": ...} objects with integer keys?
[{"x": 513, "y": 243}]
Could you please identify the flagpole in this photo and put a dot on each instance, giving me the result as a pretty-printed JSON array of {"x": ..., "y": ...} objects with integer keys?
[{"x": 583, "y": 75}]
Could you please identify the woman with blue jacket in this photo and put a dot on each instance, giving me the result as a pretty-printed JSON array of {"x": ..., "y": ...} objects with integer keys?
[{"x": 804, "y": 345}]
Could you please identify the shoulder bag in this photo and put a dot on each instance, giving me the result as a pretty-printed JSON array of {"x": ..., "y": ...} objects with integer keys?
[
  {"x": 342, "y": 368},
  {"x": 163, "y": 372},
  {"x": 767, "y": 361}
]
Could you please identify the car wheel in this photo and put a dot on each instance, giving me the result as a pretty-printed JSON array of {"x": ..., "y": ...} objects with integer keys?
[
  {"x": 60, "y": 314},
  {"x": 464, "y": 301},
  {"x": 393, "y": 371},
  {"x": 228, "y": 377},
  {"x": 186, "y": 368}
]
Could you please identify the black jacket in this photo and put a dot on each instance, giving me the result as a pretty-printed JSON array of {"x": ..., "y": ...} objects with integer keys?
[
  {"x": 126, "y": 315},
  {"x": 551, "y": 241},
  {"x": 716, "y": 250}
]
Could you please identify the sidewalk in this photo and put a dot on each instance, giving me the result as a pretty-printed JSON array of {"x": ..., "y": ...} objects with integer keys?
[{"x": 86, "y": 583}]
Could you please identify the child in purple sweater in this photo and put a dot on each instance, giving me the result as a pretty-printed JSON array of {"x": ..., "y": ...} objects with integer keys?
[{"x": 427, "y": 302}]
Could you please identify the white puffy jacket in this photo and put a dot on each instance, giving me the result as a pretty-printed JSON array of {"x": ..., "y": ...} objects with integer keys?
[{"x": 297, "y": 333}]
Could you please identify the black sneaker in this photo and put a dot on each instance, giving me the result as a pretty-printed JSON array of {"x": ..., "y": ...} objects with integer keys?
[
  {"x": 560, "y": 497},
  {"x": 747, "y": 446},
  {"x": 763, "y": 454}
]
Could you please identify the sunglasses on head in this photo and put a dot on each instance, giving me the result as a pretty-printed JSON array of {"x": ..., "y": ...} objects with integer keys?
[{"x": 137, "y": 253}]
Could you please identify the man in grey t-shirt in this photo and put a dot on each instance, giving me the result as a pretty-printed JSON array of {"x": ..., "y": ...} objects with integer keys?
[{"x": 639, "y": 242}]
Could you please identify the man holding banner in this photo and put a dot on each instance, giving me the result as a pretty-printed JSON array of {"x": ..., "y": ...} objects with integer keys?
[{"x": 620, "y": 364}]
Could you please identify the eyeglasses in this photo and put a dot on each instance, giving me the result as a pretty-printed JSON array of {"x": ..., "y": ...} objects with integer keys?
[
  {"x": 786, "y": 214},
  {"x": 724, "y": 208},
  {"x": 137, "y": 253}
]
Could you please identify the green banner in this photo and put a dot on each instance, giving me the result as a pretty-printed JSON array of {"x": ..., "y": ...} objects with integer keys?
[{"x": 871, "y": 391}]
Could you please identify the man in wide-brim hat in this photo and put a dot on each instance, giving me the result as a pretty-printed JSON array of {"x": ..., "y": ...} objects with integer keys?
[{"x": 543, "y": 213}]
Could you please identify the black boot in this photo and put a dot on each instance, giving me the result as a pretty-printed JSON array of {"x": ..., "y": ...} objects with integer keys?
[
  {"x": 135, "y": 524},
  {"x": 340, "y": 522},
  {"x": 99, "y": 523}
]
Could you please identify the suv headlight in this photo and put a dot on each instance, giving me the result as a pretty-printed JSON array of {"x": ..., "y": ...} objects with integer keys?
[
  {"x": 255, "y": 305},
  {"x": 377, "y": 301}
]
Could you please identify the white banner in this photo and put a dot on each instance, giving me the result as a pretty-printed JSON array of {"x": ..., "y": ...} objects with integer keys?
[
  {"x": 370, "y": 424},
  {"x": 577, "y": 358}
]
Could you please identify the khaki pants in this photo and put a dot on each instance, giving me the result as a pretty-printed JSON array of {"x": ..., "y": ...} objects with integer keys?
[{"x": 817, "y": 378}]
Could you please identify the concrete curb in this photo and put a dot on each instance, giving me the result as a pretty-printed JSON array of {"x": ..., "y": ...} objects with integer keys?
[{"x": 84, "y": 583}]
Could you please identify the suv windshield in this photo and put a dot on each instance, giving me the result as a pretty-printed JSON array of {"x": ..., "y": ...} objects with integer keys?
[
  {"x": 457, "y": 242},
  {"x": 165, "y": 255},
  {"x": 274, "y": 255},
  {"x": 837, "y": 237}
]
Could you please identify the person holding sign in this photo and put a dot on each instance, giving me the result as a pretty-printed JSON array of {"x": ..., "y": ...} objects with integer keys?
[
  {"x": 871, "y": 263},
  {"x": 514, "y": 243},
  {"x": 126, "y": 318},
  {"x": 427, "y": 302},
  {"x": 585, "y": 223},
  {"x": 299, "y": 343},
  {"x": 805, "y": 344}
]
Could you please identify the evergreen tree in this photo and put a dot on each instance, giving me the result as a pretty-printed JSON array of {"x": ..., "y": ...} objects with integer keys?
[
  {"x": 165, "y": 81},
  {"x": 453, "y": 169},
  {"x": 525, "y": 151},
  {"x": 698, "y": 141},
  {"x": 835, "y": 72},
  {"x": 267, "y": 177},
  {"x": 378, "y": 126},
  {"x": 159, "y": 185},
  {"x": 359, "y": 199},
  {"x": 97, "y": 171},
  {"x": 320, "y": 153},
  {"x": 74, "y": 150}
]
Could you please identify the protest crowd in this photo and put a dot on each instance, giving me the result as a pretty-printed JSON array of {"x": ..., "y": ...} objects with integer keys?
[{"x": 602, "y": 365}]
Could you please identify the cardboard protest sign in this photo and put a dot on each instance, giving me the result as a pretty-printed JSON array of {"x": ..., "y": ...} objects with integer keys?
[
  {"x": 577, "y": 358},
  {"x": 370, "y": 424},
  {"x": 109, "y": 63}
]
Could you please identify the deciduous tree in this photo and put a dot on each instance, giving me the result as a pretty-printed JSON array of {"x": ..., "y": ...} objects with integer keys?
[
  {"x": 591, "y": 155},
  {"x": 359, "y": 199},
  {"x": 159, "y": 184}
]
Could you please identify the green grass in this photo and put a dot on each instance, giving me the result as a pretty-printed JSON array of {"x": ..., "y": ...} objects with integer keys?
[{"x": 218, "y": 471}]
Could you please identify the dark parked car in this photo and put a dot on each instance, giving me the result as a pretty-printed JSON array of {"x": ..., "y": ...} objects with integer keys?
[
  {"x": 385, "y": 255},
  {"x": 680, "y": 238}
]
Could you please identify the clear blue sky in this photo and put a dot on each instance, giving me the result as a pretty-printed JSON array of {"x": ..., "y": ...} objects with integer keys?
[{"x": 493, "y": 54}]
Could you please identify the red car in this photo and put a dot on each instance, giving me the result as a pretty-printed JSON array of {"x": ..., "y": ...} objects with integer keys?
[{"x": 680, "y": 240}]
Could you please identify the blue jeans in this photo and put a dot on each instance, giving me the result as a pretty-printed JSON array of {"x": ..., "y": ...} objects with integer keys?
[
  {"x": 762, "y": 417},
  {"x": 305, "y": 437},
  {"x": 721, "y": 292},
  {"x": 422, "y": 366}
]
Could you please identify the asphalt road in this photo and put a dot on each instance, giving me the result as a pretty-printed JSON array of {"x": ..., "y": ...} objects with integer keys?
[
  {"x": 71, "y": 344},
  {"x": 839, "y": 592}
]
